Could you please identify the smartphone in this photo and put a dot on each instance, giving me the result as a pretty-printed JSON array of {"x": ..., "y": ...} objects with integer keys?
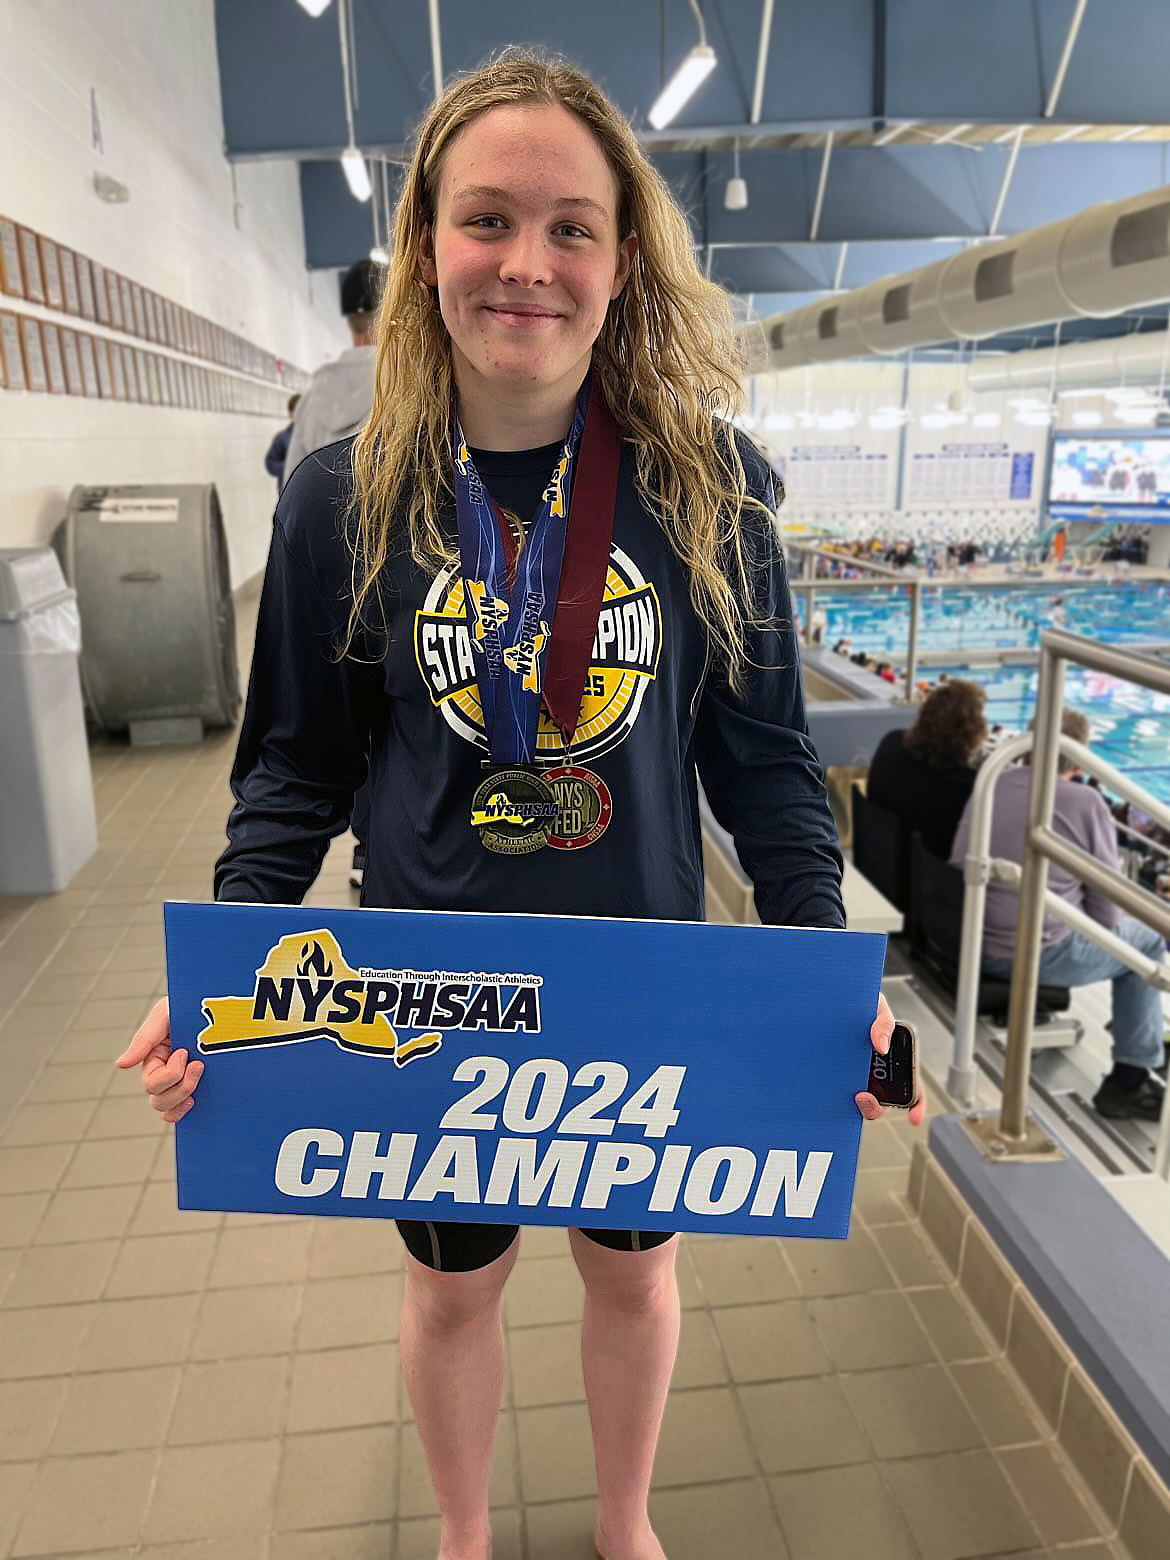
[{"x": 893, "y": 1078}]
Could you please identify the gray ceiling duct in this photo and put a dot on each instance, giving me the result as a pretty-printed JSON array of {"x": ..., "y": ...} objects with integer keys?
[
  {"x": 1105, "y": 260},
  {"x": 1115, "y": 360}
]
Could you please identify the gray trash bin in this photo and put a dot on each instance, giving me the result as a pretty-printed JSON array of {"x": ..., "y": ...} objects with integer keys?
[
  {"x": 150, "y": 567},
  {"x": 48, "y": 830}
]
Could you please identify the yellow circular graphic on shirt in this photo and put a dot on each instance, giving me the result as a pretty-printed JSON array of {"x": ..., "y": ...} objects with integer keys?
[{"x": 623, "y": 663}]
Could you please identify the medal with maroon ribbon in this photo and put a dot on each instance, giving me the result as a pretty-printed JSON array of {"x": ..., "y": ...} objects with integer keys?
[{"x": 532, "y": 621}]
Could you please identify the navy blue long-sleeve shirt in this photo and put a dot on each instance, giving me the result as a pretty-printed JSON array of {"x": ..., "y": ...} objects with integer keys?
[{"x": 403, "y": 705}]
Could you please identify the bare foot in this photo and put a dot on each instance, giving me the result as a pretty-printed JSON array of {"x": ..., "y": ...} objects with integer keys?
[
  {"x": 640, "y": 1545},
  {"x": 477, "y": 1546}
]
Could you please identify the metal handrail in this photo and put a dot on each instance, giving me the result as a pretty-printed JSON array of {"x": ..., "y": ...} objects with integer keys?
[
  {"x": 1153, "y": 846},
  {"x": 808, "y": 585},
  {"x": 1041, "y": 846},
  {"x": 819, "y": 550}
]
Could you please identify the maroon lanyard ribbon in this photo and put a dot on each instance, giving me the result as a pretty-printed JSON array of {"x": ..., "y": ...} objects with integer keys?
[{"x": 588, "y": 535}]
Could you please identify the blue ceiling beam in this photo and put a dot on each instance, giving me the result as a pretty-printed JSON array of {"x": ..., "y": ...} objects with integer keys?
[
  {"x": 993, "y": 62},
  {"x": 837, "y": 63},
  {"x": 897, "y": 193},
  {"x": 795, "y": 274},
  {"x": 891, "y": 195},
  {"x": 338, "y": 229}
]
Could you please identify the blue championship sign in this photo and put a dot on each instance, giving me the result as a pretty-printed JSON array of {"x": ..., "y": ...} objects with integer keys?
[{"x": 640, "y": 1075}]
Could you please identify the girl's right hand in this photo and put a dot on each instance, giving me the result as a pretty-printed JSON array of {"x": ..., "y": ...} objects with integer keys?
[{"x": 167, "y": 1076}]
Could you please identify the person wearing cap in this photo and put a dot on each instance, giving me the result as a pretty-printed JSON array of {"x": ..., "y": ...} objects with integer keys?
[{"x": 341, "y": 392}]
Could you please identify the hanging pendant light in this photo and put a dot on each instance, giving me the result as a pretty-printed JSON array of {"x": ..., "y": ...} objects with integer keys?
[{"x": 735, "y": 196}]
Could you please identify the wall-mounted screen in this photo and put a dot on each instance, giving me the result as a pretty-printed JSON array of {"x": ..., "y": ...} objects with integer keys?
[{"x": 1113, "y": 476}]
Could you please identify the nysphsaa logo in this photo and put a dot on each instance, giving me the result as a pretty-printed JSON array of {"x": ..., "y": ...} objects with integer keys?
[{"x": 305, "y": 990}]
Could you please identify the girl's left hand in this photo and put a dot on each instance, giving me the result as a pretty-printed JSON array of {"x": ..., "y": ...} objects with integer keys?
[{"x": 879, "y": 1037}]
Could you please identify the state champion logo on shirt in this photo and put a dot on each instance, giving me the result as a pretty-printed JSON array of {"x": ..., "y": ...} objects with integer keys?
[{"x": 624, "y": 662}]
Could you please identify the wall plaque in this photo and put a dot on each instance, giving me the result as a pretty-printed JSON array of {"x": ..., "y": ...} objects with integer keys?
[
  {"x": 69, "y": 280},
  {"x": 30, "y": 260},
  {"x": 11, "y": 276}
]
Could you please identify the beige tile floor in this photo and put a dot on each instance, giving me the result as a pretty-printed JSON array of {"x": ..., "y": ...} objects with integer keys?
[{"x": 178, "y": 1386}]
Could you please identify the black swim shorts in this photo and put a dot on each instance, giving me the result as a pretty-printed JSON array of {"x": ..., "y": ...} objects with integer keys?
[{"x": 461, "y": 1248}]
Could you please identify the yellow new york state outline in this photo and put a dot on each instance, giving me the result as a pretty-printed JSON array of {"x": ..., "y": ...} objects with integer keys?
[{"x": 230, "y": 1025}]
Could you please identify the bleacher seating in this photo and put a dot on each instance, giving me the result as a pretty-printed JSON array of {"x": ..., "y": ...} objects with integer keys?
[
  {"x": 929, "y": 893},
  {"x": 881, "y": 850}
]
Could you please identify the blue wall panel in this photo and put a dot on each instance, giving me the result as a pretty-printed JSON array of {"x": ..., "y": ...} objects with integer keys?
[{"x": 338, "y": 229}]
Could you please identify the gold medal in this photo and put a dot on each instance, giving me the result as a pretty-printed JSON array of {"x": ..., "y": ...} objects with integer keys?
[{"x": 514, "y": 812}]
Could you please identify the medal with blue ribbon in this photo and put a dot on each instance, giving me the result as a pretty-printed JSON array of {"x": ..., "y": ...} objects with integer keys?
[{"x": 532, "y": 628}]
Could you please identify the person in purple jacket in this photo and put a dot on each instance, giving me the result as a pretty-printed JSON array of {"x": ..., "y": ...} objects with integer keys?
[{"x": 1081, "y": 816}]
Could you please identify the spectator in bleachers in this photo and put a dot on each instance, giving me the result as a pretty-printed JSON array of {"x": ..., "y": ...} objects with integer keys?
[
  {"x": 925, "y": 774},
  {"x": 1081, "y": 816}
]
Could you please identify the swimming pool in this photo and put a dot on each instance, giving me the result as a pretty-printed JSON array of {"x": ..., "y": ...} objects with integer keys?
[
  {"x": 1130, "y": 725},
  {"x": 956, "y": 617}
]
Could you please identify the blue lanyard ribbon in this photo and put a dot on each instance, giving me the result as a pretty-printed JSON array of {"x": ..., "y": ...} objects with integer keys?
[{"x": 511, "y": 628}]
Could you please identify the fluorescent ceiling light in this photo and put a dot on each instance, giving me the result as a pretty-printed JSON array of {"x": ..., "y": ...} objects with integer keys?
[
  {"x": 1068, "y": 135},
  {"x": 776, "y": 420},
  {"x": 884, "y": 424},
  {"x": 839, "y": 419},
  {"x": 357, "y": 175},
  {"x": 1142, "y": 414},
  {"x": 1034, "y": 419},
  {"x": 942, "y": 419},
  {"x": 314, "y": 7},
  {"x": 1128, "y": 135},
  {"x": 985, "y": 420},
  {"x": 682, "y": 86},
  {"x": 1087, "y": 419},
  {"x": 1026, "y": 403},
  {"x": 379, "y": 256}
]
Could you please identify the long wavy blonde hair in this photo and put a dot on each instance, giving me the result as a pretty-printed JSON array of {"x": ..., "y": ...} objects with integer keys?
[{"x": 667, "y": 359}]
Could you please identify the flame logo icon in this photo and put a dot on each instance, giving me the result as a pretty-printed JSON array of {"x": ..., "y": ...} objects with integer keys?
[
  {"x": 297, "y": 997},
  {"x": 314, "y": 962}
]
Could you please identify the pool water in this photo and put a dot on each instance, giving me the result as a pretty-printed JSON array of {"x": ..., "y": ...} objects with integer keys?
[
  {"x": 996, "y": 618},
  {"x": 1130, "y": 725}
]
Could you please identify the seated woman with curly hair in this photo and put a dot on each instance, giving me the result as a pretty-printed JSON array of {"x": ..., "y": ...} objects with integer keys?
[{"x": 926, "y": 774}]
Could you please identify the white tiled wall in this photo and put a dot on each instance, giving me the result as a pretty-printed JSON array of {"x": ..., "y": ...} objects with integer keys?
[{"x": 233, "y": 254}]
